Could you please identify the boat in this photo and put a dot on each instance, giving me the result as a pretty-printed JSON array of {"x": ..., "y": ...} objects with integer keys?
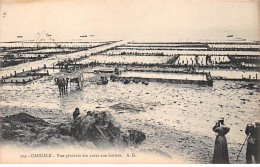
[
  {"x": 19, "y": 36},
  {"x": 230, "y": 36}
]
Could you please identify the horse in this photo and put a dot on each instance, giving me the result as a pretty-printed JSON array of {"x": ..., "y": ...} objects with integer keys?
[
  {"x": 62, "y": 85},
  {"x": 78, "y": 80}
]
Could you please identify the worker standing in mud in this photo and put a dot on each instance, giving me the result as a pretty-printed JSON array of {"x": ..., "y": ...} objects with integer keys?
[
  {"x": 76, "y": 113},
  {"x": 208, "y": 59},
  {"x": 221, "y": 150},
  {"x": 196, "y": 60},
  {"x": 116, "y": 71},
  {"x": 253, "y": 146}
]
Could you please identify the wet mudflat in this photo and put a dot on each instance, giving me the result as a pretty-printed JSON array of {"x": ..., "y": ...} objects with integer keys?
[{"x": 177, "y": 119}]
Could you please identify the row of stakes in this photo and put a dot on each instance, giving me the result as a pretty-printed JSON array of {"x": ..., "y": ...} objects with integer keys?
[
  {"x": 210, "y": 62},
  {"x": 24, "y": 81},
  {"x": 53, "y": 68},
  {"x": 249, "y": 77},
  {"x": 192, "y": 61},
  {"x": 15, "y": 73}
]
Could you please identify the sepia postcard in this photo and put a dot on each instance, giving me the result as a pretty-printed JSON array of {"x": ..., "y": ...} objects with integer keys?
[{"x": 129, "y": 81}]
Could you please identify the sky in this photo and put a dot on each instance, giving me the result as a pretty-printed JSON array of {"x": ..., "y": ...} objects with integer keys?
[{"x": 161, "y": 20}]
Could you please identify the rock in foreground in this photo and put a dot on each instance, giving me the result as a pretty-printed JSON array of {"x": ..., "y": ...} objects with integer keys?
[{"x": 100, "y": 128}]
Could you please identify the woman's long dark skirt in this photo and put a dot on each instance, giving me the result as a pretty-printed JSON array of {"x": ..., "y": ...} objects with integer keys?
[{"x": 220, "y": 151}]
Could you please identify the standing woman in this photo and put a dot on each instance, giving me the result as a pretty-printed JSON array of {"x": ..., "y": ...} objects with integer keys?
[{"x": 221, "y": 150}]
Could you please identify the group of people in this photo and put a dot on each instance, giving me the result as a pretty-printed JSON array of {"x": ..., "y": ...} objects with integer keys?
[{"x": 221, "y": 149}]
